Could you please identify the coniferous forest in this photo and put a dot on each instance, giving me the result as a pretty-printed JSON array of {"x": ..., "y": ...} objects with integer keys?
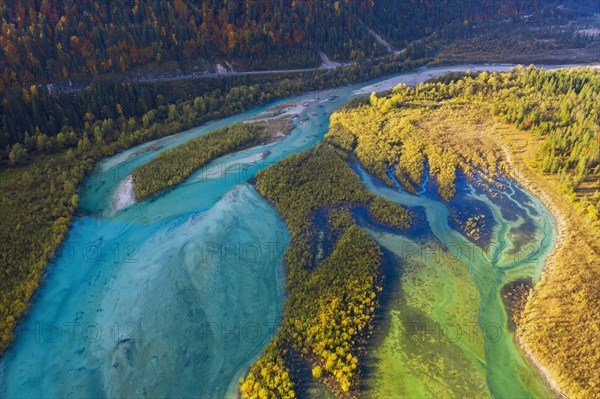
[
  {"x": 50, "y": 51},
  {"x": 50, "y": 41}
]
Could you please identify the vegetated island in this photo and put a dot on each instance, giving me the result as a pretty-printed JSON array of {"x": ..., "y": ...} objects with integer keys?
[
  {"x": 549, "y": 120},
  {"x": 175, "y": 164},
  {"x": 333, "y": 288}
]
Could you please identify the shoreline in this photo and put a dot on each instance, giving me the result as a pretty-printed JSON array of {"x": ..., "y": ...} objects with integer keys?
[
  {"x": 560, "y": 224},
  {"x": 435, "y": 71},
  {"x": 124, "y": 197},
  {"x": 276, "y": 128}
]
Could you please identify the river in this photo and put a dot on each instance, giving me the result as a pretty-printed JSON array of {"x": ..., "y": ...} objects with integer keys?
[{"x": 176, "y": 296}]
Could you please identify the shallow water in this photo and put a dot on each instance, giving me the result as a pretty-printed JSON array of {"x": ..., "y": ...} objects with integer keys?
[
  {"x": 445, "y": 328},
  {"x": 177, "y": 295}
]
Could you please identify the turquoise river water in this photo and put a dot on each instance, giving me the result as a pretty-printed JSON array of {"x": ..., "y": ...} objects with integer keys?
[{"x": 176, "y": 296}]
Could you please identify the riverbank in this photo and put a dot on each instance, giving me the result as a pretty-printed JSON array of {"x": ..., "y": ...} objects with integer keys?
[
  {"x": 422, "y": 74},
  {"x": 523, "y": 175},
  {"x": 559, "y": 326},
  {"x": 573, "y": 235},
  {"x": 124, "y": 197}
]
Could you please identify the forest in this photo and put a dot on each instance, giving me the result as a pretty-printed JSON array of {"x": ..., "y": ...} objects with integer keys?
[
  {"x": 402, "y": 21},
  {"x": 541, "y": 40},
  {"x": 37, "y": 103},
  {"x": 332, "y": 296},
  {"x": 49, "y": 41},
  {"x": 459, "y": 124},
  {"x": 42, "y": 122}
]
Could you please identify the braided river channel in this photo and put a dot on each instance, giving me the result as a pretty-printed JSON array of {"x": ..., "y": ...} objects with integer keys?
[{"x": 176, "y": 296}]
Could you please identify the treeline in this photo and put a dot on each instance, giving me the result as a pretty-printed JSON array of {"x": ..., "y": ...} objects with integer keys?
[
  {"x": 331, "y": 299},
  {"x": 37, "y": 203},
  {"x": 175, "y": 164},
  {"x": 45, "y": 123},
  {"x": 49, "y": 41},
  {"x": 42, "y": 122},
  {"x": 562, "y": 108}
]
